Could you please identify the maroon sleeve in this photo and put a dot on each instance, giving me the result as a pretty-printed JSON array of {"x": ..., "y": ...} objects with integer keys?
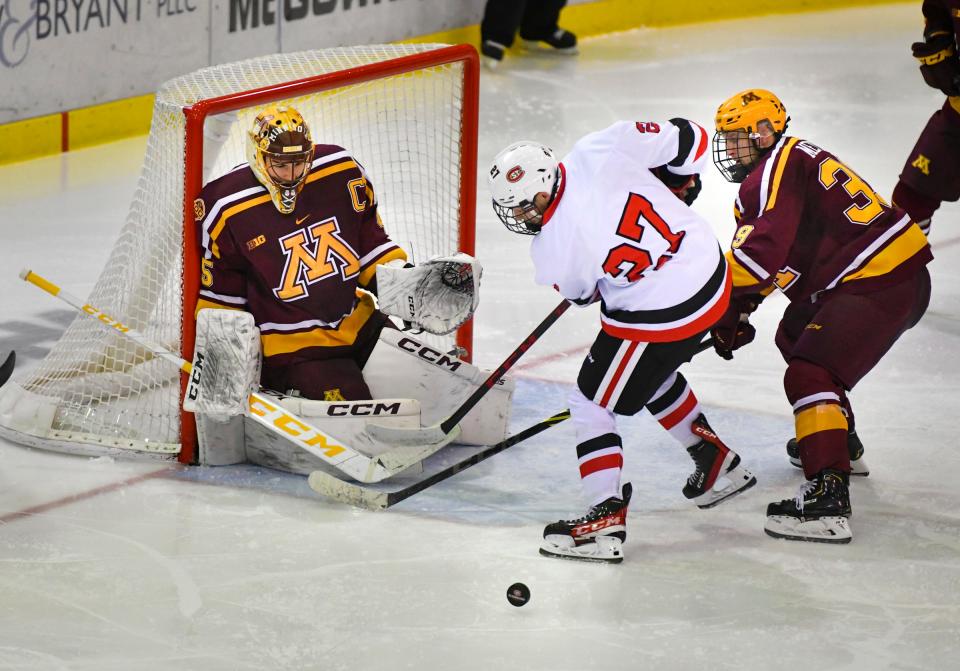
[
  {"x": 376, "y": 247},
  {"x": 773, "y": 198},
  {"x": 223, "y": 281}
]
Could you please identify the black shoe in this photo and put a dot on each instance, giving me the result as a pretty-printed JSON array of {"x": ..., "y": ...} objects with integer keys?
[
  {"x": 562, "y": 41},
  {"x": 820, "y": 512},
  {"x": 857, "y": 464},
  {"x": 492, "y": 52},
  {"x": 714, "y": 461},
  {"x": 597, "y": 536}
]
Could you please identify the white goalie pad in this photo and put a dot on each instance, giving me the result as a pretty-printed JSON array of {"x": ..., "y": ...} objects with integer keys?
[
  {"x": 344, "y": 421},
  {"x": 226, "y": 364},
  {"x": 438, "y": 295},
  {"x": 401, "y": 365}
]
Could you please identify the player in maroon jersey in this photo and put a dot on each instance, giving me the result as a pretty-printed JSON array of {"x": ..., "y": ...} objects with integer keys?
[
  {"x": 931, "y": 174},
  {"x": 854, "y": 269},
  {"x": 290, "y": 238}
]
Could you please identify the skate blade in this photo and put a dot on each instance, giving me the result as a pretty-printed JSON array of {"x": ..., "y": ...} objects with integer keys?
[
  {"x": 536, "y": 47},
  {"x": 739, "y": 480},
  {"x": 609, "y": 552},
  {"x": 823, "y": 530},
  {"x": 858, "y": 467}
]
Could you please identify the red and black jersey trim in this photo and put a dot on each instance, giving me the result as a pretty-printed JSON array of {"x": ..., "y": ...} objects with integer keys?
[
  {"x": 676, "y": 312},
  {"x": 687, "y": 139}
]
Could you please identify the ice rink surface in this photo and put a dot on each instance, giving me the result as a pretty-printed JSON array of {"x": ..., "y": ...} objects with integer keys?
[{"x": 112, "y": 565}]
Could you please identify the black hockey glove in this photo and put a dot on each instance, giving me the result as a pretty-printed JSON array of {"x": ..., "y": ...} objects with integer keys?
[
  {"x": 734, "y": 330},
  {"x": 939, "y": 63}
]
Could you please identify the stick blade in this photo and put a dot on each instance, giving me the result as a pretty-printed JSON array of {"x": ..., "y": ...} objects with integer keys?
[
  {"x": 345, "y": 492},
  {"x": 408, "y": 454},
  {"x": 6, "y": 368},
  {"x": 401, "y": 436}
]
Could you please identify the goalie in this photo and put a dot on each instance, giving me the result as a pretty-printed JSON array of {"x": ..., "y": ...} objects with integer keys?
[
  {"x": 291, "y": 238},
  {"x": 295, "y": 240}
]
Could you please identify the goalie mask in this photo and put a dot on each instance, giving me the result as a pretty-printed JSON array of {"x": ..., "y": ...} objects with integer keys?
[
  {"x": 280, "y": 154},
  {"x": 518, "y": 174},
  {"x": 742, "y": 122}
]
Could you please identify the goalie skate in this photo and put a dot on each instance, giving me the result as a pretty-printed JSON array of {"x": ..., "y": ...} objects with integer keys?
[
  {"x": 820, "y": 512},
  {"x": 718, "y": 476},
  {"x": 598, "y": 536},
  {"x": 858, "y": 466}
]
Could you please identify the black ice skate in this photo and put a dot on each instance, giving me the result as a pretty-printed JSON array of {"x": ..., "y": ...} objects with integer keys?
[
  {"x": 857, "y": 464},
  {"x": 718, "y": 476},
  {"x": 598, "y": 536},
  {"x": 560, "y": 41},
  {"x": 820, "y": 512}
]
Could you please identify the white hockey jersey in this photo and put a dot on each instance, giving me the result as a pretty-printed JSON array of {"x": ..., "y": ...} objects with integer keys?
[{"x": 615, "y": 228}]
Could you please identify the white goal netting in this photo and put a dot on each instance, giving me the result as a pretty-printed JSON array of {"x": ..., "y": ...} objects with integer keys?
[{"x": 98, "y": 392}]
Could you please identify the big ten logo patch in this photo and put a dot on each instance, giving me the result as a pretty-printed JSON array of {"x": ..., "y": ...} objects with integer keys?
[{"x": 256, "y": 242}]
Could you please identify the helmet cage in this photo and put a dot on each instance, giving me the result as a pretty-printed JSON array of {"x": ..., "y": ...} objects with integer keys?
[
  {"x": 524, "y": 218},
  {"x": 736, "y": 153}
]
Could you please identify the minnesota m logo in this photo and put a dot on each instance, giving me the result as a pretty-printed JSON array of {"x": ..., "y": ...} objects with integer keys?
[{"x": 313, "y": 254}]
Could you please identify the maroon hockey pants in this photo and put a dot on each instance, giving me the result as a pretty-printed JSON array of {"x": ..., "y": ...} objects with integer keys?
[{"x": 830, "y": 345}]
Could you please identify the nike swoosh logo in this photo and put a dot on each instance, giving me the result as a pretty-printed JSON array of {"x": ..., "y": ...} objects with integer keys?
[{"x": 300, "y": 221}]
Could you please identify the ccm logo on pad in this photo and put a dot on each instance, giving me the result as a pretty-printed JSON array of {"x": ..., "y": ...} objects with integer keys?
[{"x": 362, "y": 409}]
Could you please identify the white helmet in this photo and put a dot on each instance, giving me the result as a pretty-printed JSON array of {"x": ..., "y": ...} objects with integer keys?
[{"x": 519, "y": 173}]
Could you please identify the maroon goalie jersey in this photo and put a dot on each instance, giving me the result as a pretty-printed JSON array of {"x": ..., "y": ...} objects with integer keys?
[
  {"x": 296, "y": 273},
  {"x": 809, "y": 224}
]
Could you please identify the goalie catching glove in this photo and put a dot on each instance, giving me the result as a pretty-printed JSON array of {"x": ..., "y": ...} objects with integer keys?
[
  {"x": 438, "y": 295},
  {"x": 226, "y": 364}
]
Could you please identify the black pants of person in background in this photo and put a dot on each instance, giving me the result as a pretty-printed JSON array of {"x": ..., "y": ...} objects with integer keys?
[{"x": 536, "y": 19}]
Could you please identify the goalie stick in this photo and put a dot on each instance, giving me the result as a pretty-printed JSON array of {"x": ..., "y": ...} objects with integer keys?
[
  {"x": 365, "y": 497},
  {"x": 261, "y": 409},
  {"x": 428, "y": 436},
  {"x": 6, "y": 369}
]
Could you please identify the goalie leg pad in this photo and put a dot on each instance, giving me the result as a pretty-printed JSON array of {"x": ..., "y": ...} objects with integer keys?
[
  {"x": 343, "y": 421},
  {"x": 226, "y": 364},
  {"x": 221, "y": 443},
  {"x": 401, "y": 366}
]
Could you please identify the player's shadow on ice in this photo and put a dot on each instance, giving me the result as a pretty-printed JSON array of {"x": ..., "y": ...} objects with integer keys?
[{"x": 33, "y": 339}]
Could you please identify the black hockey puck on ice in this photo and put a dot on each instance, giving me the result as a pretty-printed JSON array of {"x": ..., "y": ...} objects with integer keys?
[{"x": 518, "y": 594}]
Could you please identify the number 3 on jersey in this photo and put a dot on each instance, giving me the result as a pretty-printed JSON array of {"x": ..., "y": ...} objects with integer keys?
[{"x": 630, "y": 258}]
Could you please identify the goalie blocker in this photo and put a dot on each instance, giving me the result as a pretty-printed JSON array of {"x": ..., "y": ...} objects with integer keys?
[{"x": 412, "y": 383}]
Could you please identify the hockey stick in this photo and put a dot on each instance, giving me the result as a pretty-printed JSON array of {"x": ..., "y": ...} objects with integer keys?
[
  {"x": 260, "y": 408},
  {"x": 6, "y": 369},
  {"x": 429, "y": 435},
  {"x": 364, "y": 497}
]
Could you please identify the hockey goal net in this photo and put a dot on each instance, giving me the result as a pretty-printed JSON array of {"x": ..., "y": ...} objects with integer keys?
[{"x": 408, "y": 113}]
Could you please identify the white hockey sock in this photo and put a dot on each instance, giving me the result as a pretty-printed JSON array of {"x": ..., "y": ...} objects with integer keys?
[
  {"x": 599, "y": 448},
  {"x": 675, "y": 406}
]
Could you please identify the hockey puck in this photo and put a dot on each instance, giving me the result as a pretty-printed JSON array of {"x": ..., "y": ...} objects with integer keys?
[{"x": 518, "y": 594}]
